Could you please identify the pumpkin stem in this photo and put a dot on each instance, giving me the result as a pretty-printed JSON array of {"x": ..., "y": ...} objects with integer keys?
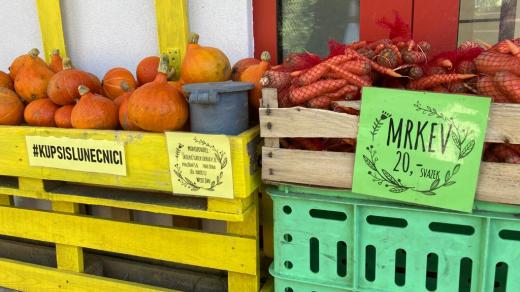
[
  {"x": 163, "y": 64},
  {"x": 171, "y": 74},
  {"x": 34, "y": 52},
  {"x": 124, "y": 86},
  {"x": 266, "y": 57},
  {"x": 194, "y": 38},
  {"x": 55, "y": 52},
  {"x": 82, "y": 89},
  {"x": 67, "y": 63}
]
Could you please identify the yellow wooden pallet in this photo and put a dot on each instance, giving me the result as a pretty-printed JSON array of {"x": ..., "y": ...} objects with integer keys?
[{"x": 147, "y": 187}]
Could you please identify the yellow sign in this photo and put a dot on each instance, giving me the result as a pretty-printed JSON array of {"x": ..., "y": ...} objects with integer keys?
[
  {"x": 100, "y": 156},
  {"x": 200, "y": 164}
]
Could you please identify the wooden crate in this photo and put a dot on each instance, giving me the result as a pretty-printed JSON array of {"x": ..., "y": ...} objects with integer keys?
[{"x": 498, "y": 182}]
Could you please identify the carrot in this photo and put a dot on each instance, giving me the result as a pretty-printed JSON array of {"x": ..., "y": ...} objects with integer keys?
[
  {"x": 356, "y": 67},
  {"x": 373, "y": 45},
  {"x": 490, "y": 62},
  {"x": 351, "y": 78},
  {"x": 486, "y": 87},
  {"x": 513, "y": 49},
  {"x": 357, "y": 45},
  {"x": 383, "y": 70},
  {"x": 379, "y": 48},
  {"x": 509, "y": 85},
  {"x": 424, "y": 46},
  {"x": 336, "y": 60},
  {"x": 445, "y": 63},
  {"x": 434, "y": 80},
  {"x": 342, "y": 92},
  {"x": 303, "y": 94},
  {"x": 312, "y": 75},
  {"x": 275, "y": 79},
  {"x": 411, "y": 45},
  {"x": 320, "y": 102}
]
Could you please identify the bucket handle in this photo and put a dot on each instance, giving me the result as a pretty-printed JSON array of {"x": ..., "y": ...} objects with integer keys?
[{"x": 204, "y": 97}]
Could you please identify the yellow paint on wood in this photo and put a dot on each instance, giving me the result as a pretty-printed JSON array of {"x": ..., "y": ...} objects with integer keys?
[
  {"x": 68, "y": 257},
  {"x": 29, "y": 277},
  {"x": 218, "y": 213},
  {"x": 240, "y": 281},
  {"x": 223, "y": 252},
  {"x": 172, "y": 29},
  {"x": 267, "y": 224},
  {"x": 30, "y": 184},
  {"x": 237, "y": 206},
  {"x": 49, "y": 13},
  {"x": 145, "y": 171},
  {"x": 5, "y": 200}
]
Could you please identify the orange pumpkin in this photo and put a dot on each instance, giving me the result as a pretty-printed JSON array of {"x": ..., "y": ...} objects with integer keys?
[
  {"x": 6, "y": 81},
  {"x": 11, "y": 107},
  {"x": 40, "y": 113},
  {"x": 93, "y": 111},
  {"x": 20, "y": 61},
  {"x": 112, "y": 82},
  {"x": 204, "y": 64},
  {"x": 147, "y": 69},
  {"x": 62, "y": 116},
  {"x": 158, "y": 106},
  {"x": 63, "y": 86},
  {"x": 56, "y": 63},
  {"x": 127, "y": 94},
  {"x": 96, "y": 84},
  {"x": 253, "y": 75},
  {"x": 241, "y": 66},
  {"x": 124, "y": 121},
  {"x": 32, "y": 80}
]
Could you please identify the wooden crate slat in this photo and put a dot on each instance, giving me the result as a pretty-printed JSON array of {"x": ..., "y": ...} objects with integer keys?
[
  {"x": 503, "y": 125},
  {"x": 29, "y": 277},
  {"x": 223, "y": 252},
  {"x": 498, "y": 182}
]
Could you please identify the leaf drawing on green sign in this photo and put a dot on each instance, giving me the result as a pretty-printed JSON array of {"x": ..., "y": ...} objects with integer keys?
[
  {"x": 459, "y": 136},
  {"x": 436, "y": 183},
  {"x": 378, "y": 122},
  {"x": 383, "y": 176}
]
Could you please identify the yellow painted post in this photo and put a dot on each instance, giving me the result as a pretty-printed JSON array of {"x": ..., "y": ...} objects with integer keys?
[
  {"x": 248, "y": 228},
  {"x": 172, "y": 29},
  {"x": 49, "y": 13},
  {"x": 68, "y": 257}
]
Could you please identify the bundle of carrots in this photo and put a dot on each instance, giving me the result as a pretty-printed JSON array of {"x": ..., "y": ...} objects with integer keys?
[
  {"x": 307, "y": 80},
  {"x": 499, "y": 69}
]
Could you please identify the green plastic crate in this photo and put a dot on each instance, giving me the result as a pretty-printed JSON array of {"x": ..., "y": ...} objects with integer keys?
[{"x": 328, "y": 243}]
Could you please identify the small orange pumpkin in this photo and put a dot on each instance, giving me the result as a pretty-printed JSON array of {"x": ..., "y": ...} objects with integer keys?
[
  {"x": 241, "y": 66},
  {"x": 158, "y": 106},
  {"x": 6, "y": 81},
  {"x": 56, "y": 63},
  {"x": 204, "y": 64},
  {"x": 124, "y": 121},
  {"x": 20, "y": 61},
  {"x": 93, "y": 111},
  {"x": 147, "y": 69},
  {"x": 11, "y": 107},
  {"x": 32, "y": 80},
  {"x": 112, "y": 82},
  {"x": 253, "y": 75},
  {"x": 123, "y": 96},
  {"x": 63, "y": 86},
  {"x": 62, "y": 116},
  {"x": 40, "y": 113}
]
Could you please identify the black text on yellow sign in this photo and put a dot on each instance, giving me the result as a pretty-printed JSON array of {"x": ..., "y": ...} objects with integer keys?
[{"x": 99, "y": 156}]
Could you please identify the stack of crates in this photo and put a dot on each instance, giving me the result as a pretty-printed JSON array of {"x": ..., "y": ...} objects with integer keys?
[{"x": 334, "y": 240}]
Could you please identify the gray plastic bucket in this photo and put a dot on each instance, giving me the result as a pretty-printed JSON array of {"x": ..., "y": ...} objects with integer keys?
[{"x": 219, "y": 107}]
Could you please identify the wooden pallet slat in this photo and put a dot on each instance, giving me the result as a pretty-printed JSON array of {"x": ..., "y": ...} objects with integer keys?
[
  {"x": 225, "y": 252},
  {"x": 49, "y": 13},
  {"x": 29, "y": 277}
]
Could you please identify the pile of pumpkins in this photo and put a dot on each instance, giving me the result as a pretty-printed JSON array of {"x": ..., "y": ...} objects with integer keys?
[{"x": 59, "y": 95}]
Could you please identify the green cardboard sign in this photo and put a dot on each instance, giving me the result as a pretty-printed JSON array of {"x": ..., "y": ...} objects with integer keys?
[{"x": 420, "y": 147}]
